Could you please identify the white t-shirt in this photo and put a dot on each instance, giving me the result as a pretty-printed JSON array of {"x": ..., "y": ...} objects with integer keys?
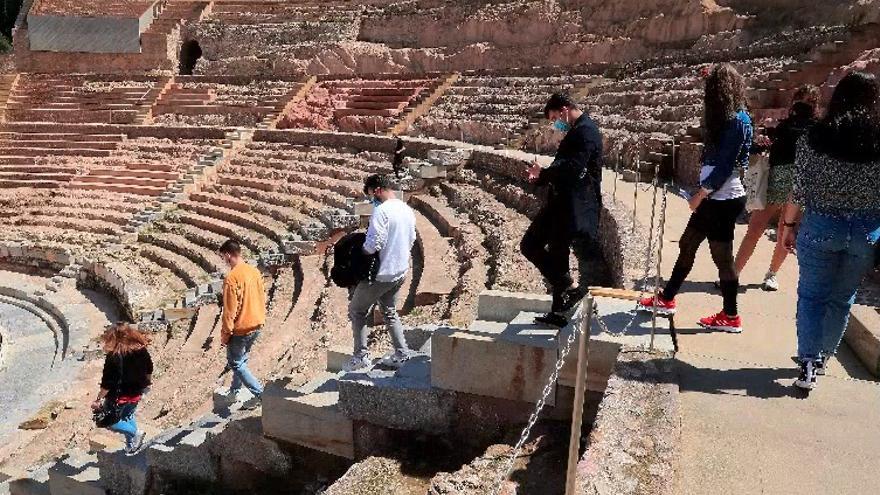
[
  {"x": 392, "y": 233},
  {"x": 732, "y": 188}
]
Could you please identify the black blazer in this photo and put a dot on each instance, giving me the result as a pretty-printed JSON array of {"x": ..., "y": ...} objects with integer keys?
[{"x": 575, "y": 180}]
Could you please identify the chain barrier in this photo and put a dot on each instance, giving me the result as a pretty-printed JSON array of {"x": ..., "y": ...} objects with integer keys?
[
  {"x": 649, "y": 258},
  {"x": 577, "y": 329}
]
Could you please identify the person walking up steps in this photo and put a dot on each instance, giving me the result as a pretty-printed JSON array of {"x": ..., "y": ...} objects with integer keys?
[
  {"x": 244, "y": 314},
  {"x": 720, "y": 200},
  {"x": 127, "y": 372},
  {"x": 570, "y": 219},
  {"x": 837, "y": 183},
  {"x": 392, "y": 233},
  {"x": 784, "y": 137}
]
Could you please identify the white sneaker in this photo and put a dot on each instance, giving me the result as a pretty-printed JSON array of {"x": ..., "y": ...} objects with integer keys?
[
  {"x": 396, "y": 359},
  {"x": 770, "y": 282},
  {"x": 136, "y": 445},
  {"x": 358, "y": 362}
]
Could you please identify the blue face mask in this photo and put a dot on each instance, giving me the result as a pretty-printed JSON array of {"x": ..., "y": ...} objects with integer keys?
[
  {"x": 560, "y": 125},
  {"x": 375, "y": 202}
]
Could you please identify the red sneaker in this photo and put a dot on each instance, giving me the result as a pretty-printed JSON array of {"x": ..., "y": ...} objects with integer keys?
[
  {"x": 664, "y": 307},
  {"x": 722, "y": 322}
]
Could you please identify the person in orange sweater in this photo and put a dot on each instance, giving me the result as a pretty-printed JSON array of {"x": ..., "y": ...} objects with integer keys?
[{"x": 244, "y": 313}]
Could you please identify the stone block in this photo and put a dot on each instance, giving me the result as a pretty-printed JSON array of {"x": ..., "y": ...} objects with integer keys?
[
  {"x": 76, "y": 474},
  {"x": 309, "y": 416},
  {"x": 402, "y": 399},
  {"x": 182, "y": 453},
  {"x": 174, "y": 314},
  {"x": 419, "y": 338},
  {"x": 863, "y": 336},
  {"x": 16, "y": 251},
  {"x": 242, "y": 442},
  {"x": 123, "y": 475},
  {"x": 337, "y": 356},
  {"x": 503, "y": 306},
  {"x": 28, "y": 486},
  {"x": 432, "y": 172},
  {"x": 362, "y": 208},
  {"x": 504, "y": 360}
]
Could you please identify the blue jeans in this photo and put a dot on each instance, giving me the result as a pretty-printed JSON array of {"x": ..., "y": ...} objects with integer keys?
[
  {"x": 237, "y": 358},
  {"x": 127, "y": 425},
  {"x": 834, "y": 254}
]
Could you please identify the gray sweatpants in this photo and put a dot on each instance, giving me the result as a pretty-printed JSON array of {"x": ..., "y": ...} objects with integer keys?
[{"x": 363, "y": 298}]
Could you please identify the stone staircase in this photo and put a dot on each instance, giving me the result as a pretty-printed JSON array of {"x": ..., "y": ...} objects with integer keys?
[
  {"x": 7, "y": 85},
  {"x": 414, "y": 113},
  {"x": 496, "y": 369}
]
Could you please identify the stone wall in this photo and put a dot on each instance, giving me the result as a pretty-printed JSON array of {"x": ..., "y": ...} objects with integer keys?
[{"x": 632, "y": 447}]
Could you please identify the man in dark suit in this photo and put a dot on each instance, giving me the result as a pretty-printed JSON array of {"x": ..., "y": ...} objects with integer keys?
[{"x": 570, "y": 219}]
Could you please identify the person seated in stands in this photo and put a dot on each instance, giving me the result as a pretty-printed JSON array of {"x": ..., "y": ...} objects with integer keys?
[
  {"x": 127, "y": 374},
  {"x": 392, "y": 233},
  {"x": 244, "y": 314},
  {"x": 570, "y": 218},
  {"x": 720, "y": 200},
  {"x": 834, "y": 218}
]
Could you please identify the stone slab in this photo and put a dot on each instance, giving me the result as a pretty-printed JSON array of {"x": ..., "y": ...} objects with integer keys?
[
  {"x": 494, "y": 361},
  {"x": 309, "y": 416},
  {"x": 401, "y": 399},
  {"x": 337, "y": 356},
  {"x": 496, "y": 305},
  {"x": 184, "y": 455}
]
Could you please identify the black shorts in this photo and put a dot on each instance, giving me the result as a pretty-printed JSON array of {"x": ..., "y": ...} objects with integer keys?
[{"x": 717, "y": 218}]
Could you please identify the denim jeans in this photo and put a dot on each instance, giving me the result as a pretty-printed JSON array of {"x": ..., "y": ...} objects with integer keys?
[
  {"x": 127, "y": 425},
  {"x": 237, "y": 358},
  {"x": 363, "y": 298},
  {"x": 834, "y": 254}
]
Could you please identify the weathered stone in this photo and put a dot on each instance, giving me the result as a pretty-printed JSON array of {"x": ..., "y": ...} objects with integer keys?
[
  {"x": 76, "y": 474},
  {"x": 121, "y": 474},
  {"x": 402, "y": 399},
  {"x": 182, "y": 454},
  {"x": 495, "y": 305},
  {"x": 516, "y": 359},
  {"x": 309, "y": 416}
]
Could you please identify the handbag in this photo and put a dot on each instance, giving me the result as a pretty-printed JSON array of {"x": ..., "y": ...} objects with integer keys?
[
  {"x": 110, "y": 412},
  {"x": 756, "y": 180}
]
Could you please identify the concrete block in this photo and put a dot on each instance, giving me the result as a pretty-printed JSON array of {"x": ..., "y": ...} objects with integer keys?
[
  {"x": 76, "y": 474},
  {"x": 242, "y": 442},
  {"x": 863, "y": 336},
  {"x": 515, "y": 360},
  {"x": 503, "y": 306},
  {"x": 309, "y": 416},
  {"x": 402, "y": 399},
  {"x": 431, "y": 172}
]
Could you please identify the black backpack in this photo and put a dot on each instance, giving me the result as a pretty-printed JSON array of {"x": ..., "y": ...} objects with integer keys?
[{"x": 350, "y": 264}]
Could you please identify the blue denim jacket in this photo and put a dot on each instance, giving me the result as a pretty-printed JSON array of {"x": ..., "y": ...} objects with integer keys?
[{"x": 732, "y": 152}]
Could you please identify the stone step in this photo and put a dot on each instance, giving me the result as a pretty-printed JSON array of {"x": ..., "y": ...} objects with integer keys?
[
  {"x": 309, "y": 416},
  {"x": 401, "y": 399},
  {"x": 517, "y": 358},
  {"x": 76, "y": 473},
  {"x": 182, "y": 453}
]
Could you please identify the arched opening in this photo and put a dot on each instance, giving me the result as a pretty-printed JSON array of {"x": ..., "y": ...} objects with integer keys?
[{"x": 190, "y": 53}]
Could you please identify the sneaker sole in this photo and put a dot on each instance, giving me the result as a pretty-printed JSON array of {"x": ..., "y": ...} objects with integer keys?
[
  {"x": 804, "y": 386},
  {"x": 661, "y": 312},
  {"x": 721, "y": 328},
  {"x": 766, "y": 288}
]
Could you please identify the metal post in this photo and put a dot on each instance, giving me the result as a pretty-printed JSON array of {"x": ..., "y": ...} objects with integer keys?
[
  {"x": 574, "y": 442},
  {"x": 616, "y": 171},
  {"x": 636, "y": 190},
  {"x": 659, "y": 262}
]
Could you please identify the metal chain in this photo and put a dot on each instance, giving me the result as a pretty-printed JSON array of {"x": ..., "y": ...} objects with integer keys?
[
  {"x": 577, "y": 329},
  {"x": 649, "y": 259}
]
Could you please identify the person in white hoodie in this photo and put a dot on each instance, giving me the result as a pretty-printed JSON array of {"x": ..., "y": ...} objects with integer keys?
[{"x": 392, "y": 233}]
